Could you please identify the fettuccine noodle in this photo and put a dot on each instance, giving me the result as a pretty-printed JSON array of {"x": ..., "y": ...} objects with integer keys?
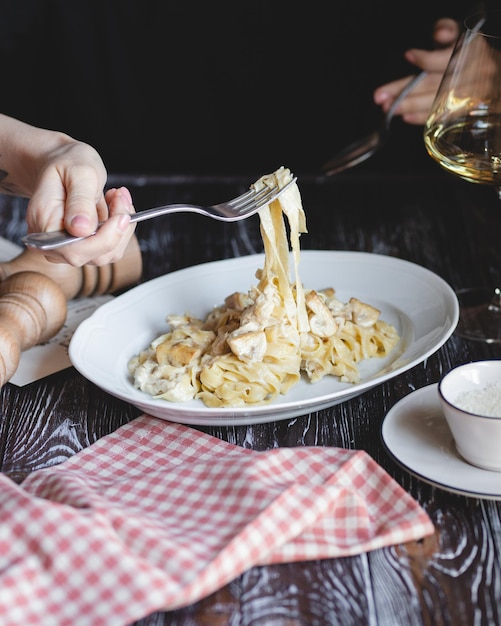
[{"x": 255, "y": 346}]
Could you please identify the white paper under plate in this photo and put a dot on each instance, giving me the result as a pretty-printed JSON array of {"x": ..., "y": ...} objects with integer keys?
[{"x": 420, "y": 304}]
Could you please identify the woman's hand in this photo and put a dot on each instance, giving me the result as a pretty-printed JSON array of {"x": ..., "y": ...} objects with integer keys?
[
  {"x": 415, "y": 108},
  {"x": 64, "y": 180}
]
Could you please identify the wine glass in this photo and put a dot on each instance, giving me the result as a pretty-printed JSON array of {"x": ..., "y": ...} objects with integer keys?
[{"x": 463, "y": 134}]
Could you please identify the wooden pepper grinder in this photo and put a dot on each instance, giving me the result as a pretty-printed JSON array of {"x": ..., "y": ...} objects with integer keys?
[
  {"x": 33, "y": 309},
  {"x": 34, "y": 295},
  {"x": 80, "y": 282}
]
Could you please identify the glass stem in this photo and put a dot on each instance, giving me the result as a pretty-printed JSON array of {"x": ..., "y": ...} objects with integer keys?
[{"x": 495, "y": 303}]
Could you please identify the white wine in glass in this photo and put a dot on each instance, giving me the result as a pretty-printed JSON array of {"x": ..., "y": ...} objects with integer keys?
[{"x": 463, "y": 134}]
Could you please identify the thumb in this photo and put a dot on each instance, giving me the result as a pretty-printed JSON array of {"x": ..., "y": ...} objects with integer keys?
[
  {"x": 76, "y": 205},
  {"x": 84, "y": 206}
]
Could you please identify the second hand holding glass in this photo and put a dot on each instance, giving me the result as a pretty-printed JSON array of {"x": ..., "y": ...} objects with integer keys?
[{"x": 463, "y": 134}]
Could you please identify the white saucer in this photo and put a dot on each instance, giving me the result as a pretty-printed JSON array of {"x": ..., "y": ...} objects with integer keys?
[{"x": 417, "y": 436}]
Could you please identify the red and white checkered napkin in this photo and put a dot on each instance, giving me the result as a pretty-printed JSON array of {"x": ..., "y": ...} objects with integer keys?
[{"x": 158, "y": 515}]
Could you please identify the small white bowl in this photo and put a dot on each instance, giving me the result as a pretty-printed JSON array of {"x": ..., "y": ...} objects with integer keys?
[{"x": 470, "y": 396}]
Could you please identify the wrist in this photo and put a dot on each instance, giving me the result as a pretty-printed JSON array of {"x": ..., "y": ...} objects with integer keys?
[{"x": 24, "y": 150}]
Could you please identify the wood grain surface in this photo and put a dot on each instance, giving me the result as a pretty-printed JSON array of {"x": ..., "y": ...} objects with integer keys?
[{"x": 450, "y": 227}]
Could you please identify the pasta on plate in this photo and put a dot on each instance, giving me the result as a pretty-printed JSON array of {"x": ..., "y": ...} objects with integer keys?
[{"x": 258, "y": 344}]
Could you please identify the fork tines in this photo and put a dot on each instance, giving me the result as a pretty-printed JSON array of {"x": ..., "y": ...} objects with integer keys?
[{"x": 253, "y": 198}]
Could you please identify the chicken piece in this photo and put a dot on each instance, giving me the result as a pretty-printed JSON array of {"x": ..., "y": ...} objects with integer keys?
[
  {"x": 363, "y": 314},
  {"x": 178, "y": 355},
  {"x": 259, "y": 313},
  {"x": 336, "y": 307},
  {"x": 238, "y": 301},
  {"x": 322, "y": 322},
  {"x": 248, "y": 346},
  {"x": 330, "y": 292}
]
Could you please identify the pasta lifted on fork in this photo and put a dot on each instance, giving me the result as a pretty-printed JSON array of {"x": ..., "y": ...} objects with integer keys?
[{"x": 256, "y": 345}]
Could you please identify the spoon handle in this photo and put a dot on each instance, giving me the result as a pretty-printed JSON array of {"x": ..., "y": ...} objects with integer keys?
[
  {"x": 360, "y": 150},
  {"x": 405, "y": 92}
]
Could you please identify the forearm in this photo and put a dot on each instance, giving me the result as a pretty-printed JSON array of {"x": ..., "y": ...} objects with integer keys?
[{"x": 23, "y": 151}]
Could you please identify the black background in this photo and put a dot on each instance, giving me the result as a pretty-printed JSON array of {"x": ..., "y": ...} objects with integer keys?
[{"x": 212, "y": 87}]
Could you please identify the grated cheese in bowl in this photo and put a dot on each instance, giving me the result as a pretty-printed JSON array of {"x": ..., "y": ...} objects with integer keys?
[{"x": 483, "y": 401}]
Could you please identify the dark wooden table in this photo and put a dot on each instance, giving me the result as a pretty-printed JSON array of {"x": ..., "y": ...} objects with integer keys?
[{"x": 450, "y": 227}]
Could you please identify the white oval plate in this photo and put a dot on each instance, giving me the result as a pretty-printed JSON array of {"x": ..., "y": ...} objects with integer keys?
[
  {"x": 416, "y": 434},
  {"x": 420, "y": 304}
]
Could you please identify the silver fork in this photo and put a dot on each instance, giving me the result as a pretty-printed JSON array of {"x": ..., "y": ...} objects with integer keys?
[{"x": 232, "y": 211}]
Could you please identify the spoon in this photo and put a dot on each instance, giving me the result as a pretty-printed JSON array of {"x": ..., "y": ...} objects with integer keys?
[{"x": 360, "y": 150}]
